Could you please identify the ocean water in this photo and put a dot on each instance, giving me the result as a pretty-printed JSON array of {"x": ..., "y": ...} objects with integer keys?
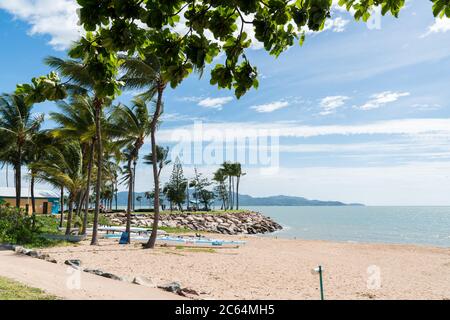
[{"x": 400, "y": 225}]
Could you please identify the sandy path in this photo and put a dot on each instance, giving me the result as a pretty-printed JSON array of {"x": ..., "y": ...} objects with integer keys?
[
  {"x": 281, "y": 269},
  {"x": 53, "y": 278}
]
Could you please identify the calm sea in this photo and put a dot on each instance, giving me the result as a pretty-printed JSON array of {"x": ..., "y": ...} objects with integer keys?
[{"x": 412, "y": 225}]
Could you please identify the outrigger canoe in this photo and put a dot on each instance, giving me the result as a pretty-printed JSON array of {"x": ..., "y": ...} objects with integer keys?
[
  {"x": 185, "y": 241},
  {"x": 198, "y": 242}
]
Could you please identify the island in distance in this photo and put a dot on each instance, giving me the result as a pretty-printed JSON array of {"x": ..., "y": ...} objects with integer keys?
[{"x": 246, "y": 200}]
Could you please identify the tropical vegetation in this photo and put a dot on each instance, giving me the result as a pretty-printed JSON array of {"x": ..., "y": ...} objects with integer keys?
[{"x": 138, "y": 45}]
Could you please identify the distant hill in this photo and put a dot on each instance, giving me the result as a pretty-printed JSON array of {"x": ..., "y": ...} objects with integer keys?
[{"x": 246, "y": 200}]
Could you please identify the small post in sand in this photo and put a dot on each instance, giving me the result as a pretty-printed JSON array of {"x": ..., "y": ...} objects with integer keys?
[{"x": 319, "y": 270}]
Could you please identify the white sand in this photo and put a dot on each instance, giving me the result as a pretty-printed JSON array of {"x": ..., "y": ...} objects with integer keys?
[{"x": 269, "y": 268}]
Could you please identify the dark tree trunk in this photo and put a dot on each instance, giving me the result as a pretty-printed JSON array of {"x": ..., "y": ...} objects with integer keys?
[
  {"x": 115, "y": 193},
  {"x": 88, "y": 186},
  {"x": 18, "y": 173},
  {"x": 130, "y": 199},
  {"x": 33, "y": 199},
  {"x": 7, "y": 176},
  {"x": 98, "y": 111},
  {"x": 229, "y": 193},
  {"x": 62, "y": 208},
  {"x": 134, "y": 185},
  {"x": 151, "y": 242},
  {"x": 69, "y": 216},
  {"x": 237, "y": 192}
]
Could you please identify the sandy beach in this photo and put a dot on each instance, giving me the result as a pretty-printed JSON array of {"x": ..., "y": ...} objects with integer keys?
[{"x": 268, "y": 268}]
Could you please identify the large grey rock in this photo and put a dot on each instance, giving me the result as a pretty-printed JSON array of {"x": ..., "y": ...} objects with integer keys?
[
  {"x": 20, "y": 250},
  {"x": 111, "y": 276},
  {"x": 32, "y": 253},
  {"x": 76, "y": 263},
  {"x": 142, "y": 281},
  {"x": 97, "y": 272},
  {"x": 174, "y": 287}
]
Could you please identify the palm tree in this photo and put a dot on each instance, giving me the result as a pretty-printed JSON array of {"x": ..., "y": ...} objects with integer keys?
[
  {"x": 238, "y": 174},
  {"x": 137, "y": 121},
  {"x": 63, "y": 165},
  {"x": 139, "y": 199},
  {"x": 220, "y": 177},
  {"x": 76, "y": 120},
  {"x": 79, "y": 74},
  {"x": 161, "y": 155},
  {"x": 148, "y": 195},
  {"x": 228, "y": 171},
  {"x": 34, "y": 152},
  {"x": 146, "y": 73},
  {"x": 18, "y": 125}
]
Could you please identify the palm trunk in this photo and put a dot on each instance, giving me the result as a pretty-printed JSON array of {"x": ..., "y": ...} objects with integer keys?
[
  {"x": 62, "y": 207},
  {"x": 187, "y": 196},
  {"x": 134, "y": 186},
  {"x": 7, "y": 176},
  {"x": 69, "y": 216},
  {"x": 130, "y": 200},
  {"x": 18, "y": 177},
  {"x": 115, "y": 194},
  {"x": 229, "y": 193},
  {"x": 151, "y": 242},
  {"x": 88, "y": 186},
  {"x": 238, "y": 178},
  {"x": 33, "y": 200},
  {"x": 98, "y": 111}
]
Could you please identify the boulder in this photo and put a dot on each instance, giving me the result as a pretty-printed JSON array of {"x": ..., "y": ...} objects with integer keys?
[
  {"x": 21, "y": 250},
  {"x": 97, "y": 272},
  {"x": 111, "y": 276},
  {"x": 32, "y": 253},
  {"x": 142, "y": 281},
  {"x": 76, "y": 263},
  {"x": 173, "y": 287},
  {"x": 186, "y": 291}
]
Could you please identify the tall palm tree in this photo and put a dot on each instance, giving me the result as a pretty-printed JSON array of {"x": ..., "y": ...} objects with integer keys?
[
  {"x": 18, "y": 125},
  {"x": 78, "y": 73},
  {"x": 34, "y": 152},
  {"x": 147, "y": 73},
  {"x": 137, "y": 121},
  {"x": 76, "y": 120},
  {"x": 228, "y": 171},
  {"x": 238, "y": 173},
  {"x": 220, "y": 177},
  {"x": 63, "y": 165}
]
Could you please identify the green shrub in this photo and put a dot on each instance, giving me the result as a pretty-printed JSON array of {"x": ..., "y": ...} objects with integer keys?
[{"x": 16, "y": 227}]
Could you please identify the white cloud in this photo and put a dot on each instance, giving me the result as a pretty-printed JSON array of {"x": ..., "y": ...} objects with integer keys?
[
  {"x": 207, "y": 131},
  {"x": 270, "y": 107},
  {"x": 215, "y": 103},
  {"x": 48, "y": 17},
  {"x": 331, "y": 103},
  {"x": 380, "y": 99},
  {"x": 335, "y": 25},
  {"x": 439, "y": 25}
]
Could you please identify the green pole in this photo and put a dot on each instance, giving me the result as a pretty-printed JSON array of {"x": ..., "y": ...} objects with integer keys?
[{"x": 321, "y": 283}]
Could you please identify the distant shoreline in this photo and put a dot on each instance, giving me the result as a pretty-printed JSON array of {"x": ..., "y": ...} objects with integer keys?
[{"x": 248, "y": 201}]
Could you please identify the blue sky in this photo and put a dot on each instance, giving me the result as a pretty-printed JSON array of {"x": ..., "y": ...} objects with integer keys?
[{"x": 362, "y": 114}]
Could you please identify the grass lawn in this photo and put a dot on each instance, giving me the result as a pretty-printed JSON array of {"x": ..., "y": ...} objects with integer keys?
[{"x": 12, "y": 290}]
